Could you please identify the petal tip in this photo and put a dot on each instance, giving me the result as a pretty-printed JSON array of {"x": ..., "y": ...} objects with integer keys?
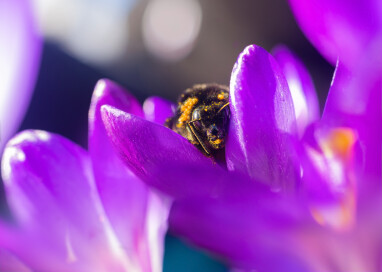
[
  {"x": 110, "y": 114},
  {"x": 280, "y": 49},
  {"x": 252, "y": 49},
  {"x": 107, "y": 111},
  {"x": 103, "y": 86},
  {"x": 29, "y": 136},
  {"x": 251, "y": 53},
  {"x": 108, "y": 92},
  {"x": 15, "y": 151}
]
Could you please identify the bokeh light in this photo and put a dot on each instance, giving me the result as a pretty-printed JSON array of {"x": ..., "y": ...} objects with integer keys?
[
  {"x": 170, "y": 27},
  {"x": 93, "y": 31}
]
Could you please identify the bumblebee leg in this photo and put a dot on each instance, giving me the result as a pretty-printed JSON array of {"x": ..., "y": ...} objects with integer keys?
[{"x": 191, "y": 127}]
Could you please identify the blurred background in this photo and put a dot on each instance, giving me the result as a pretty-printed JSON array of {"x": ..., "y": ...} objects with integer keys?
[{"x": 152, "y": 47}]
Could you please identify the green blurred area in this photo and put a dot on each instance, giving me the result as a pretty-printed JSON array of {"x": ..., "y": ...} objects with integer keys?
[{"x": 181, "y": 257}]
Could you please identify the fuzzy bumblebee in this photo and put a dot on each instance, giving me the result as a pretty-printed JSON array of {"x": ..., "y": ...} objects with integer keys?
[{"x": 202, "y": 117}]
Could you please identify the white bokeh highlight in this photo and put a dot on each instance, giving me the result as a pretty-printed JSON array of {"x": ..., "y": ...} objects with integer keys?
[
  {"x": 171, "y": 27},
  {"x": 94, "y": 31}
]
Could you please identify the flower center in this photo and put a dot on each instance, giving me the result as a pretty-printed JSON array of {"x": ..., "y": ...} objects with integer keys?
[{"x": 337, "y": 149}]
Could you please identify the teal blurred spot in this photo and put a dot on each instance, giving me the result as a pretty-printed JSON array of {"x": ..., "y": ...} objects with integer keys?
[{"x": 180, "y": 257}]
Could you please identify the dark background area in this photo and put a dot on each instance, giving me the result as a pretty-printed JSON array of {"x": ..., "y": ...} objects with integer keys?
[{"x": 62, "y": 94}]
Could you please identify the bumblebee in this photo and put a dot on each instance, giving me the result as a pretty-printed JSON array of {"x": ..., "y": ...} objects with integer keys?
[{"x": 202, "y": 117}]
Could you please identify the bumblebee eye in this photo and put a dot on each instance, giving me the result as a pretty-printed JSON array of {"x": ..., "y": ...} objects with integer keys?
[
  {"x": 196, "y": 118},
  {"x": 196, "y": 114}
]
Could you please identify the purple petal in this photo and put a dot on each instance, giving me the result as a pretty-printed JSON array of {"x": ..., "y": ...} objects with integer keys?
[
  {"x": 20, "y": 49},
  {"x": 127, "y": 200},
  {"x": 262, "y": 119},
  {"x": 301, "y": 86},
  {"x": 354, "y": 101},
  {"x": 248, "y": 225},
  {"x": 51, "y": 192},
  {"x": 187, "y": 180},
  {"x": 327, "y": 170},
  {"x": 323, "y": 177},
  {"x": 339, "y": 28},
  {"x": 123, "y": 195},
  {"x": 107, "y": 92},
  {"x": 158, "y": 109},
  {"x": 146, "y": 147},
  {"x": 9, "y": 262}
]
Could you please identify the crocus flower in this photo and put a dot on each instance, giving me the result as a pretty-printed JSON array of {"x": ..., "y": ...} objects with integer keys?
[
  {"x": 340, "y": 29},
  {"x": 298, "y": 194},
  {"x": 20, "y": 49},
  {"x": 75, "y": 210}
]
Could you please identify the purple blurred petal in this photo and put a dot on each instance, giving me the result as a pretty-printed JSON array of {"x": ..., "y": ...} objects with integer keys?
[
  {"x": 323, "y": 177},
  {"x": 20, "y": 49},
  {"x": 51, "y": 192},
  {"x": 112, "y": 177},
  {"x": 249, "y": 225},
  {"x": 10, "y": 263},
  {"x": 186, "y": 180},
  {"x": 328, "y": 177},
  {"x": 339, "y": 28},
  {"x": 157, "y": 109},
  {"x": 107, "y": 92},
  {"x": 146, "y": 147},
  {"x": 354, "y": 101},
  {"x": 256, "y": 229},
  {"x": 305, "y": 101},
  {"x": 262, "y": 119},
  {"x": 127, "y": 200}
]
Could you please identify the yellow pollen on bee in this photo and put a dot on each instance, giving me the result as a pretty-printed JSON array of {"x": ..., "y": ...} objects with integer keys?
[
  {"x": 185, "y": 109},
  {"x": 221, "y": 96},
  {"x": 217, "y": 141}
]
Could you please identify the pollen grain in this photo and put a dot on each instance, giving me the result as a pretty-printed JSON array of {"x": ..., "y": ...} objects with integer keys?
[
  {"x": 217, "y": 141},
  {"x": 185, "y": 110},
  {"x": 221, "y": 96}
]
